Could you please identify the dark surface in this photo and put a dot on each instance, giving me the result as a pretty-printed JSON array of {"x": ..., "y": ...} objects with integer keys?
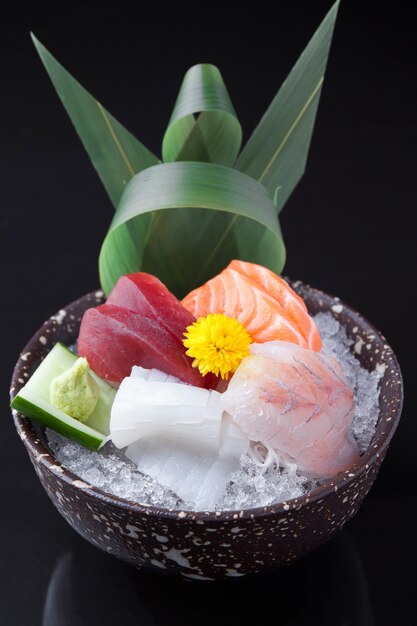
[{"x": 350, "y": 229}]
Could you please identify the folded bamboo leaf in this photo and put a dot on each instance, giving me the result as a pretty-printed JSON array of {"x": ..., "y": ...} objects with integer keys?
[
  {"x": 171, "y": 217},
  {"x": 115, "y": 153},
  {"x": 203, "y": 124},
  {"x": 276, "y": 152},
  {"x": 185, "y": 221}
]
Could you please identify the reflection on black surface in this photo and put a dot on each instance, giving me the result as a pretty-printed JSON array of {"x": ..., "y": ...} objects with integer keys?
[{"x": 328, "y": 588}]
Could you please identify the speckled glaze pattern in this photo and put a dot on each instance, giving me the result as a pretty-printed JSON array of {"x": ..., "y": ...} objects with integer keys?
[{"x": 208, "y": 546}]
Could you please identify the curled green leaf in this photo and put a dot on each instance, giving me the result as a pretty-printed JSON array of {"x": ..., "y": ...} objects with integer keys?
[
  {"x": 185, "y": 221},
  {"x": 203, "y": 124}
]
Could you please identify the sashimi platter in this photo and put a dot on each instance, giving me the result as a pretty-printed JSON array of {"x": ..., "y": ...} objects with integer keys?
[
  {"x": 199, "y": 378},
  {"x": 230, "y": 386}
]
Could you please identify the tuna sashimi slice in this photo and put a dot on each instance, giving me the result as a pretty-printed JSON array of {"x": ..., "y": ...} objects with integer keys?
[
  {"x": 297, "y": 402},
  {"x": 114, "y": 339},
  {"x": 262, "y": 301},
  {"x": 143, "y": 293}
]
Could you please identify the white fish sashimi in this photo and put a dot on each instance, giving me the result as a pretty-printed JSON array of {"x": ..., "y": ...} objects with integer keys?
[
  {"x": 161, "y": 393},
  {"x": 126, "y": 436},
  {"x": 174, "y": 410},
  {"x": 233, "y": 441},
  {"x": 154, "y": 375},
  {"x": 177, "y": 434},
  {"x": 297, "y": 402},
  {"x": 197, "y": 477}
]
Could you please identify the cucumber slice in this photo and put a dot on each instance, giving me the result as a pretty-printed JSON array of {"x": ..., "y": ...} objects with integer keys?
[{"x": 33, "y": 401}]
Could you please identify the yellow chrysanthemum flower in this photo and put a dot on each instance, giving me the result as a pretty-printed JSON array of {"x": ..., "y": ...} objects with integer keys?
[{"x": 217, "y": 343}]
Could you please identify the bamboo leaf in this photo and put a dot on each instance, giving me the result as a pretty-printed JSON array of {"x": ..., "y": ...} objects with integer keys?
[
  {"x": 116, "y": 154},
  {"x": 171, "y": 217},
  {"x": 203, "y": 124},
  {"x": 184, "y": 221},
  {"x": 276, "y": 153}
]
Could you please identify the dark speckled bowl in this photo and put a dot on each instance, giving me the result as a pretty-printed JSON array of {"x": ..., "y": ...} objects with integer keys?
[{"x": 207, "y": 546}]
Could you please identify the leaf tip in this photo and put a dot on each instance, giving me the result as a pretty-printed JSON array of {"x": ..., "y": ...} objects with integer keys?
[
  {"x": 35, "y": 40},
  {"x": 39, "y": 47},
  {"x": 335, "y": 6}
]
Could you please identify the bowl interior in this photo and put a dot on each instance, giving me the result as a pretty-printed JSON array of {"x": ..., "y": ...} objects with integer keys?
[{"x": 369, "y": 347}]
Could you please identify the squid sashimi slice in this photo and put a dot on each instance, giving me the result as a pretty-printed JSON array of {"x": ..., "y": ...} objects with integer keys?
[
  {"x": 297, "y": 402},
  {"x": 197, "y": 478},
  {"x": 143, "y": 409},
  {"x": 262, "y": 301},
  {"x": 196, "y": 474},
  {"x": 143, "y": 293},
  {"x": 113, "y": 339},
  {"x": 233, "y": 441},
  {"x": 178, "y": 435},
  {"x": 153, "y": 375}
]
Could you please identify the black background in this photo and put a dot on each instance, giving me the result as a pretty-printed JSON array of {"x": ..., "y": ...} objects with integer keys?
[{"x": 350, "y": 229}]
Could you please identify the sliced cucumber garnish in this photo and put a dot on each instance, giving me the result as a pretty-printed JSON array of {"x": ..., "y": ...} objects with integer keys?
[{"x": 33, "y": 401}]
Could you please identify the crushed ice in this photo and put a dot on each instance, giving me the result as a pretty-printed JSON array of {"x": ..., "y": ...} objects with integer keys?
[
  {"x": 251, "y": 485},
  {"x": 110, "y": 470},
  {"x": 363, "y": 383}
]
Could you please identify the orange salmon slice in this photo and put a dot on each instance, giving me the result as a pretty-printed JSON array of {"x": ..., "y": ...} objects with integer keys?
[{"x": 262, "y": 301}]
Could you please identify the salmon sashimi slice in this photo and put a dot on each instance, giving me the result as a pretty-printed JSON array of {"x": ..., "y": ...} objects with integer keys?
[
  {"x": 262, "y": 301},
  {"x": 297, "y": 402}
]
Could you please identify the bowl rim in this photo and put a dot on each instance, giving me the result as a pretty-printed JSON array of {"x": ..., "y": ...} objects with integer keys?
[{"x": 44, "y": 456}]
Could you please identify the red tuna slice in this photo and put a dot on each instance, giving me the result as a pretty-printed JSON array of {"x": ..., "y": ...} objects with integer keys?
[
  {"x": 113, "y": 339},
  {"x": 144, "y": 293}
]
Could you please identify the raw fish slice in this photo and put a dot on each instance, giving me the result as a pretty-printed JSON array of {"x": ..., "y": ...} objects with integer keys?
[
  {"x": 178, "y": 435},
  {"x": 191, "y": 434},
  {"x": 233, "y": 441},
  {"x": 144, "y": 409},
  {"x": 297, "y": 402},
  {"x": 196, "y": 474},
  {"x": 293, "y": 305},
  {"x": 143, "y": 293},
  {"x": 113, "y": 339},
  {"x": 153, "y": 375},
  {"x": 163, "y": 394},
  {"x": 200, "y": 479},
  {"x": 215, "y": 482},
  {"x": 241, "y": 299},
  {"x": 227, "y": 437},
  {"x": 262, "y": 301},
  {"x": 262, "y": 315}
]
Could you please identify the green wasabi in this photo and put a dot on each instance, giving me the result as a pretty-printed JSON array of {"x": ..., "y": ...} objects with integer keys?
[{"x": 75, "y": 391}]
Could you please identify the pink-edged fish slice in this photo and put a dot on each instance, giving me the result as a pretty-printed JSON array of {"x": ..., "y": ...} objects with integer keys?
[{"x": 297, "y": 402}]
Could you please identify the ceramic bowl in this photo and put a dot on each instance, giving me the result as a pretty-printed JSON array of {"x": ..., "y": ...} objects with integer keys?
[{"x": 200, "y": 545}]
